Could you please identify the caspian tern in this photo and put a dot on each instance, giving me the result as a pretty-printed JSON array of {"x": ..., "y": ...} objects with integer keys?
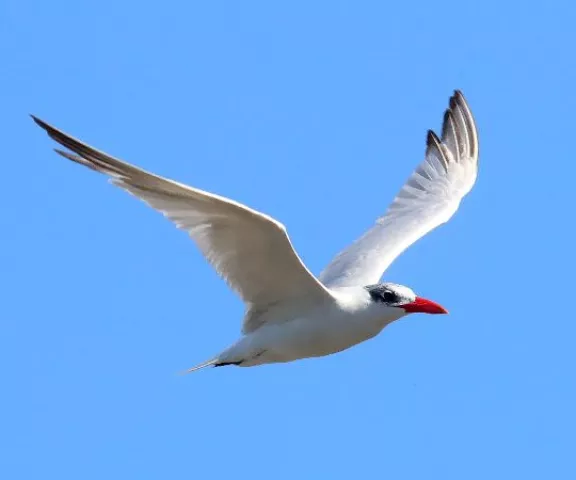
[{"x": 291, "y": 314}]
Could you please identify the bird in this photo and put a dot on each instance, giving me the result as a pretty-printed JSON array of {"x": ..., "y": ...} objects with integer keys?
[{"x": 290, "y": 314}]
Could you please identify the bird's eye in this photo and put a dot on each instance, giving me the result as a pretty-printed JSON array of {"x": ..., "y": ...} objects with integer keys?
[{"x": 389, "y": 297}]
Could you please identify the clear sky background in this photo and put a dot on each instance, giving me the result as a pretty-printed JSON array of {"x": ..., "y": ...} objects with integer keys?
[{"x": 315, "y": 113}]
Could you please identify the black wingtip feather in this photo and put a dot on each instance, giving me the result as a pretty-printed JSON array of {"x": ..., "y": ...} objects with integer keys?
[
  {"x": 434, "y": 143},
  {"x": 433, "y": 139},
  {"x": 63, "y": 153},
  {"x": 49, "y": 129},
  {"x": 446, "y": 120},
  {"x": 39, "y": 122},
  {"x": 459, "y": 101},
  {"x": 453, "y": 102}
]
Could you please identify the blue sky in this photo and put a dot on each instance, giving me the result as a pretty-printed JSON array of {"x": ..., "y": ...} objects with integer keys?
[{"x": 315, "y": 113}]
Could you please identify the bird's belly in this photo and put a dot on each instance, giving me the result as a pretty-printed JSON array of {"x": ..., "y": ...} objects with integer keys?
[{"x": 303, "y": 338}]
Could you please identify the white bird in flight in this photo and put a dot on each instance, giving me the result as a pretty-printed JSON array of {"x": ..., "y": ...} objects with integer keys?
[{"x": 291, "y": 314}]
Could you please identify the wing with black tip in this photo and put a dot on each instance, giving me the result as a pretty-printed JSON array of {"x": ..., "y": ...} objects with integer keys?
[{"x": 429, "y": 198}]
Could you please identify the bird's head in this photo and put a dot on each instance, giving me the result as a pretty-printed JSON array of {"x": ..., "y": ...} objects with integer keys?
[{"x": 401, "y": 297}]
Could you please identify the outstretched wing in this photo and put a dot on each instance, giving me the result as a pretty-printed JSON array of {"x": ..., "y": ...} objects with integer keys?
[
  {"x": 250, "y": 250},
  {"x": 429, "y": 198}
]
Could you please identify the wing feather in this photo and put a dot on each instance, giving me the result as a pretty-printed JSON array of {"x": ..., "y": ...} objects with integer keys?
[
  {"x": 249, "y": 249},
  {"x": 429, "y": 198}
]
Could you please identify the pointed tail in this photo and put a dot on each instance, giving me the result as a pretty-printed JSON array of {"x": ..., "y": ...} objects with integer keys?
[{"x": 209, "y": 363}]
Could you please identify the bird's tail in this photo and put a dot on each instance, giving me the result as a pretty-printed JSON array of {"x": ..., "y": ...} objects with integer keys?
[{"x": 209, "y": 363}]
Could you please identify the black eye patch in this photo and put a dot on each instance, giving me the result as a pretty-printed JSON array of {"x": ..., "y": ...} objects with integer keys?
[
  {"x": 389, "y": 297},
  {"x": 383, "y": 294}
]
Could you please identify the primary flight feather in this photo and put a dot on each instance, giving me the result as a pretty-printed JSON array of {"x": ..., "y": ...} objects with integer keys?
[{"x": 290, "y": 314}]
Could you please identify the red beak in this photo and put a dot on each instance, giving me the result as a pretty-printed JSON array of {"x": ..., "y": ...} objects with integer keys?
[{"x": 421, "y": 305}]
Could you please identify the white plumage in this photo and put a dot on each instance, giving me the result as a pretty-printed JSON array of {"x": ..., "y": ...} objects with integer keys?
[
  {"x": 429, "y": 198},
  {"x": 290, "y": 313}
]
